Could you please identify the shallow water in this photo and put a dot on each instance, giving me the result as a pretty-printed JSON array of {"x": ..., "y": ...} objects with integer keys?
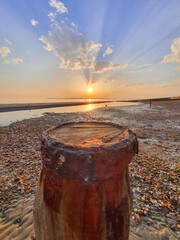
[{"x": 7, "y": 118}]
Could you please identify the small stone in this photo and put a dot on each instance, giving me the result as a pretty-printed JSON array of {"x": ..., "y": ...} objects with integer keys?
[
  {"x": 173, "y": 227},
  {"x": 138, "y": 189},
  {"x": 135, "y": 210},
  {"x": 137, "y": 217},
  {"x": 140, "y": 211}
]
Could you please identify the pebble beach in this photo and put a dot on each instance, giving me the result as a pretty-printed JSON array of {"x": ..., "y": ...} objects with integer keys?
[{"x": 154, "y": 172}]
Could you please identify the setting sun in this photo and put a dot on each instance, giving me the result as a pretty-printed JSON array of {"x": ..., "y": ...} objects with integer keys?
[{"x": 90, "y": 89}]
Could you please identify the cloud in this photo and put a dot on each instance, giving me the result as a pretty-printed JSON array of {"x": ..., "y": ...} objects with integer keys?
[
  {"x": 52, "y": 16},
  {"x": 74, "y": 51},
  {"x": 178, "y": 69},
  {"x": 74, "y": 25},
  {"x": 101, "y": 67},
  {"x": 107, "y": 52},
  {"x": 47, "y": 46},
  {"x": 147, "y": 65},
  {"x": 17, "y": 60},
  {"x": 135, "y": 71},
  {"x": 14, "y": 60},
  {"x": 141, "y": 70},
  {"x": 34, "y": 22},
  {"x": 71, "y": 48},
  {"x": 4, "y": 51},
  {"x": 7, "y": 41},
  {"x": 175, "y": 52},
  {"x": 5, "y": 61},
  {"x": 60, "y": 7},
  {"x": 108, "y": 80}
]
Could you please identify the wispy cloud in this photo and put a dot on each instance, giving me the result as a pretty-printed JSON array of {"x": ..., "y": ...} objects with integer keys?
[
  {"x": 147, "y": 65},
  {"x": 5, "y": 61},
  {"x": 17, "y": 60},
  {"x": 60, "y": 7},
  {"x": 74, "y": 25},
  {"x": 175, "y": 52},
  {"x": 135, "y": 71},
  {"x": 34, "y": 22},
  {"x": 108, "y": 51},
  {"x": 48, "y": 45},
  {"x": 4, "y": 51},
  {"x": 101, "y": 67},
  {"x": 108, "y": 80},
  {"x": 178, "y": 69},
  {"x": 52, "y": 16},
  {"x": 13, "y": 60},
  {"x": 141, "y": 70},
  {"x": 7, "y": 41}
]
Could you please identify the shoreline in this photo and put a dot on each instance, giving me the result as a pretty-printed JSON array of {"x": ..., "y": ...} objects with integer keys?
[{"x": 34, "y": 106}]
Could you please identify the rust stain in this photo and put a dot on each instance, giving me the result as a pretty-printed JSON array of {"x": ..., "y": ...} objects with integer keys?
[{"x": 52, "y": 190}]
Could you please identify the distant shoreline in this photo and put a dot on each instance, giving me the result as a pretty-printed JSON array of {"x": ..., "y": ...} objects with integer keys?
[
  {"x": 151, "y": 99},
  {"x": 33, "y": 106}
]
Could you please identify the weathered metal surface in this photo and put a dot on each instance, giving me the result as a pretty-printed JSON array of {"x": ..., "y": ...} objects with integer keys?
[{"x": 83, "y": 191}]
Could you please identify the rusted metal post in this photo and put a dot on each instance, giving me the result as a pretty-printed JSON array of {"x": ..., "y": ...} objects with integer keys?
[{"x": 83, "y": 191}]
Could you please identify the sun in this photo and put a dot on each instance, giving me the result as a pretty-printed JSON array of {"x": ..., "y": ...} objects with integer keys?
[{"x": 90, "y": 89}]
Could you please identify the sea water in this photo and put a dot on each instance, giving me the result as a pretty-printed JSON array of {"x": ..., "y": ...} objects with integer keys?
[{"x": 7, "y": 118}]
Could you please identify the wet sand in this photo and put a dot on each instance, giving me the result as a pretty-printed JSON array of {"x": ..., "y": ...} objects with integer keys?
[
  {"x": 154, "y": 171},
  {"x": 32, "y": 106},
  {"x": 175, "y": 104}
]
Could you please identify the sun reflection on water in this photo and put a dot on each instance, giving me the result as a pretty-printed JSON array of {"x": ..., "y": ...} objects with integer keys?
[{"x": 90, "y": 107}]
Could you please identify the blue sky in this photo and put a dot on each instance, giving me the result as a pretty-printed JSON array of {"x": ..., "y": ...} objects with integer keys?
[{"x": 123, "y": 48}]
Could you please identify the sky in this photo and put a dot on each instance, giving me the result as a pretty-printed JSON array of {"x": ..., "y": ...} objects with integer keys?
[{"x": 120, "y": 48}]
